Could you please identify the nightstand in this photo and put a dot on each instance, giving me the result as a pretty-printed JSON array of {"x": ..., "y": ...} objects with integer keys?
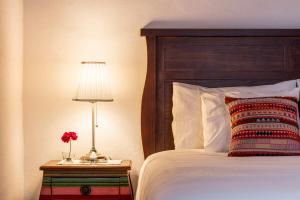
[{"x": 86, "y": 181}]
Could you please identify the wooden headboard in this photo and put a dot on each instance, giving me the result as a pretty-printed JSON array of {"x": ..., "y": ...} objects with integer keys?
[{"x": 211, "y": 58}]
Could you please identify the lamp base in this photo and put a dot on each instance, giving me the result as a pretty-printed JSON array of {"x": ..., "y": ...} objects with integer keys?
[{"x": 93, "y": 156}]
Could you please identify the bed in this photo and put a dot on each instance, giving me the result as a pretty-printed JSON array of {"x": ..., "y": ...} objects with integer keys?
[
  {"x": 212, "y": 58},
  {"x": 195, "y": 175}
]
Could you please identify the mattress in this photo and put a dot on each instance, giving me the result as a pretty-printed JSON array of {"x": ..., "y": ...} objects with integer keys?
[{"x": 199, "y": 175}]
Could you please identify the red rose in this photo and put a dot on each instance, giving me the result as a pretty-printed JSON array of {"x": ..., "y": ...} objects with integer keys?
[
  {"x": 73, "y": 135},
  {"x": 67, "y": 136}
]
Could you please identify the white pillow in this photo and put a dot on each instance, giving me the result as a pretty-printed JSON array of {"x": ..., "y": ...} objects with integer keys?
[
  {"x": 187, "y": 121},
  {"x": 187, "y": 111},
  {"x": 216, "y": 119}
]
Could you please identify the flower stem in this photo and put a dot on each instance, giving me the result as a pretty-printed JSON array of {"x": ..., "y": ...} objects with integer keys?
[{"x": 70, "y": 149}]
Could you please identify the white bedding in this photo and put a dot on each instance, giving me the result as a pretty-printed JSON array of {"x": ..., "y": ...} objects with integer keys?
[{"x": 198, "y": 175}]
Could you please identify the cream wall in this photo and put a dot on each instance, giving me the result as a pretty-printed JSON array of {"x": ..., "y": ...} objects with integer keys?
[
  {"x": 11, "y": 130},
  {"x": 58, "y": 34}
]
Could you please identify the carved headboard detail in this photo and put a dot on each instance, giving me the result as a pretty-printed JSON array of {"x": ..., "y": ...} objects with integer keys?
[{"x": 211, "y": 58}]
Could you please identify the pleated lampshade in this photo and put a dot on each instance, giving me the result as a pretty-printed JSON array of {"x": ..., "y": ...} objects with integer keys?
[{"x": 93, "y": 83}]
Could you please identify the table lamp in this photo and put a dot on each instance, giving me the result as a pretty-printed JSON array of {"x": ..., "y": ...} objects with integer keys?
[{"x": 93, "y": 87}]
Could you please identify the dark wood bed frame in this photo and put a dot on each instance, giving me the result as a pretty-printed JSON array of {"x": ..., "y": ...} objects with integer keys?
[{"x": 212, "y": 58}]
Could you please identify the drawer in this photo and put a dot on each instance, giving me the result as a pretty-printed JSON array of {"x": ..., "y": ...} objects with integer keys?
[
  {"x": 87, "y": 198},
  {"x": 106, "y": 188}
]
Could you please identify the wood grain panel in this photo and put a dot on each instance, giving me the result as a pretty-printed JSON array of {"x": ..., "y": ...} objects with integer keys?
[
  {"x": 296, "y": 57},
  {"x": 234, "y": 54},
  {"x": 219, "y": 58}
]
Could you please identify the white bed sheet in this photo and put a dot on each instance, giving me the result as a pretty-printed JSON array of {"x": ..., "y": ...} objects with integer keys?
[{"x": 199, "y": 175}]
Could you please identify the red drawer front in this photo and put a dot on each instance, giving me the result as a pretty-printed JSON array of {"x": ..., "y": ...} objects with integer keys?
[
  {"x": 75, "y": 190},
  {"x": 46, "y": 190},
  {"x": 122, "y": 193},
  {"x": 77, "y": 197},
  {"x": 45, "y": 197},
  {"x": 107, "y": 197}
]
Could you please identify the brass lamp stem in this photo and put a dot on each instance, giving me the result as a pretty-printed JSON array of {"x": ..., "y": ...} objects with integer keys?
[
  {"x": 93, "y": 155},
  {"x": 93, "y": 149}
]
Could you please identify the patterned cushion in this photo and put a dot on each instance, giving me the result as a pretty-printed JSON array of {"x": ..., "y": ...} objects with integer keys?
[{"x": 264, "y": 126}]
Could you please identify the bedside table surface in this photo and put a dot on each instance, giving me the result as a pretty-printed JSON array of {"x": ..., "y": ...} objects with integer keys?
[{"x": 52, "y": 165}]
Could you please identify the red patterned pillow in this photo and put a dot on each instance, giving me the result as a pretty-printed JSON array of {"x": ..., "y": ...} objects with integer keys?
[{"x": 264, "y": 126}]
